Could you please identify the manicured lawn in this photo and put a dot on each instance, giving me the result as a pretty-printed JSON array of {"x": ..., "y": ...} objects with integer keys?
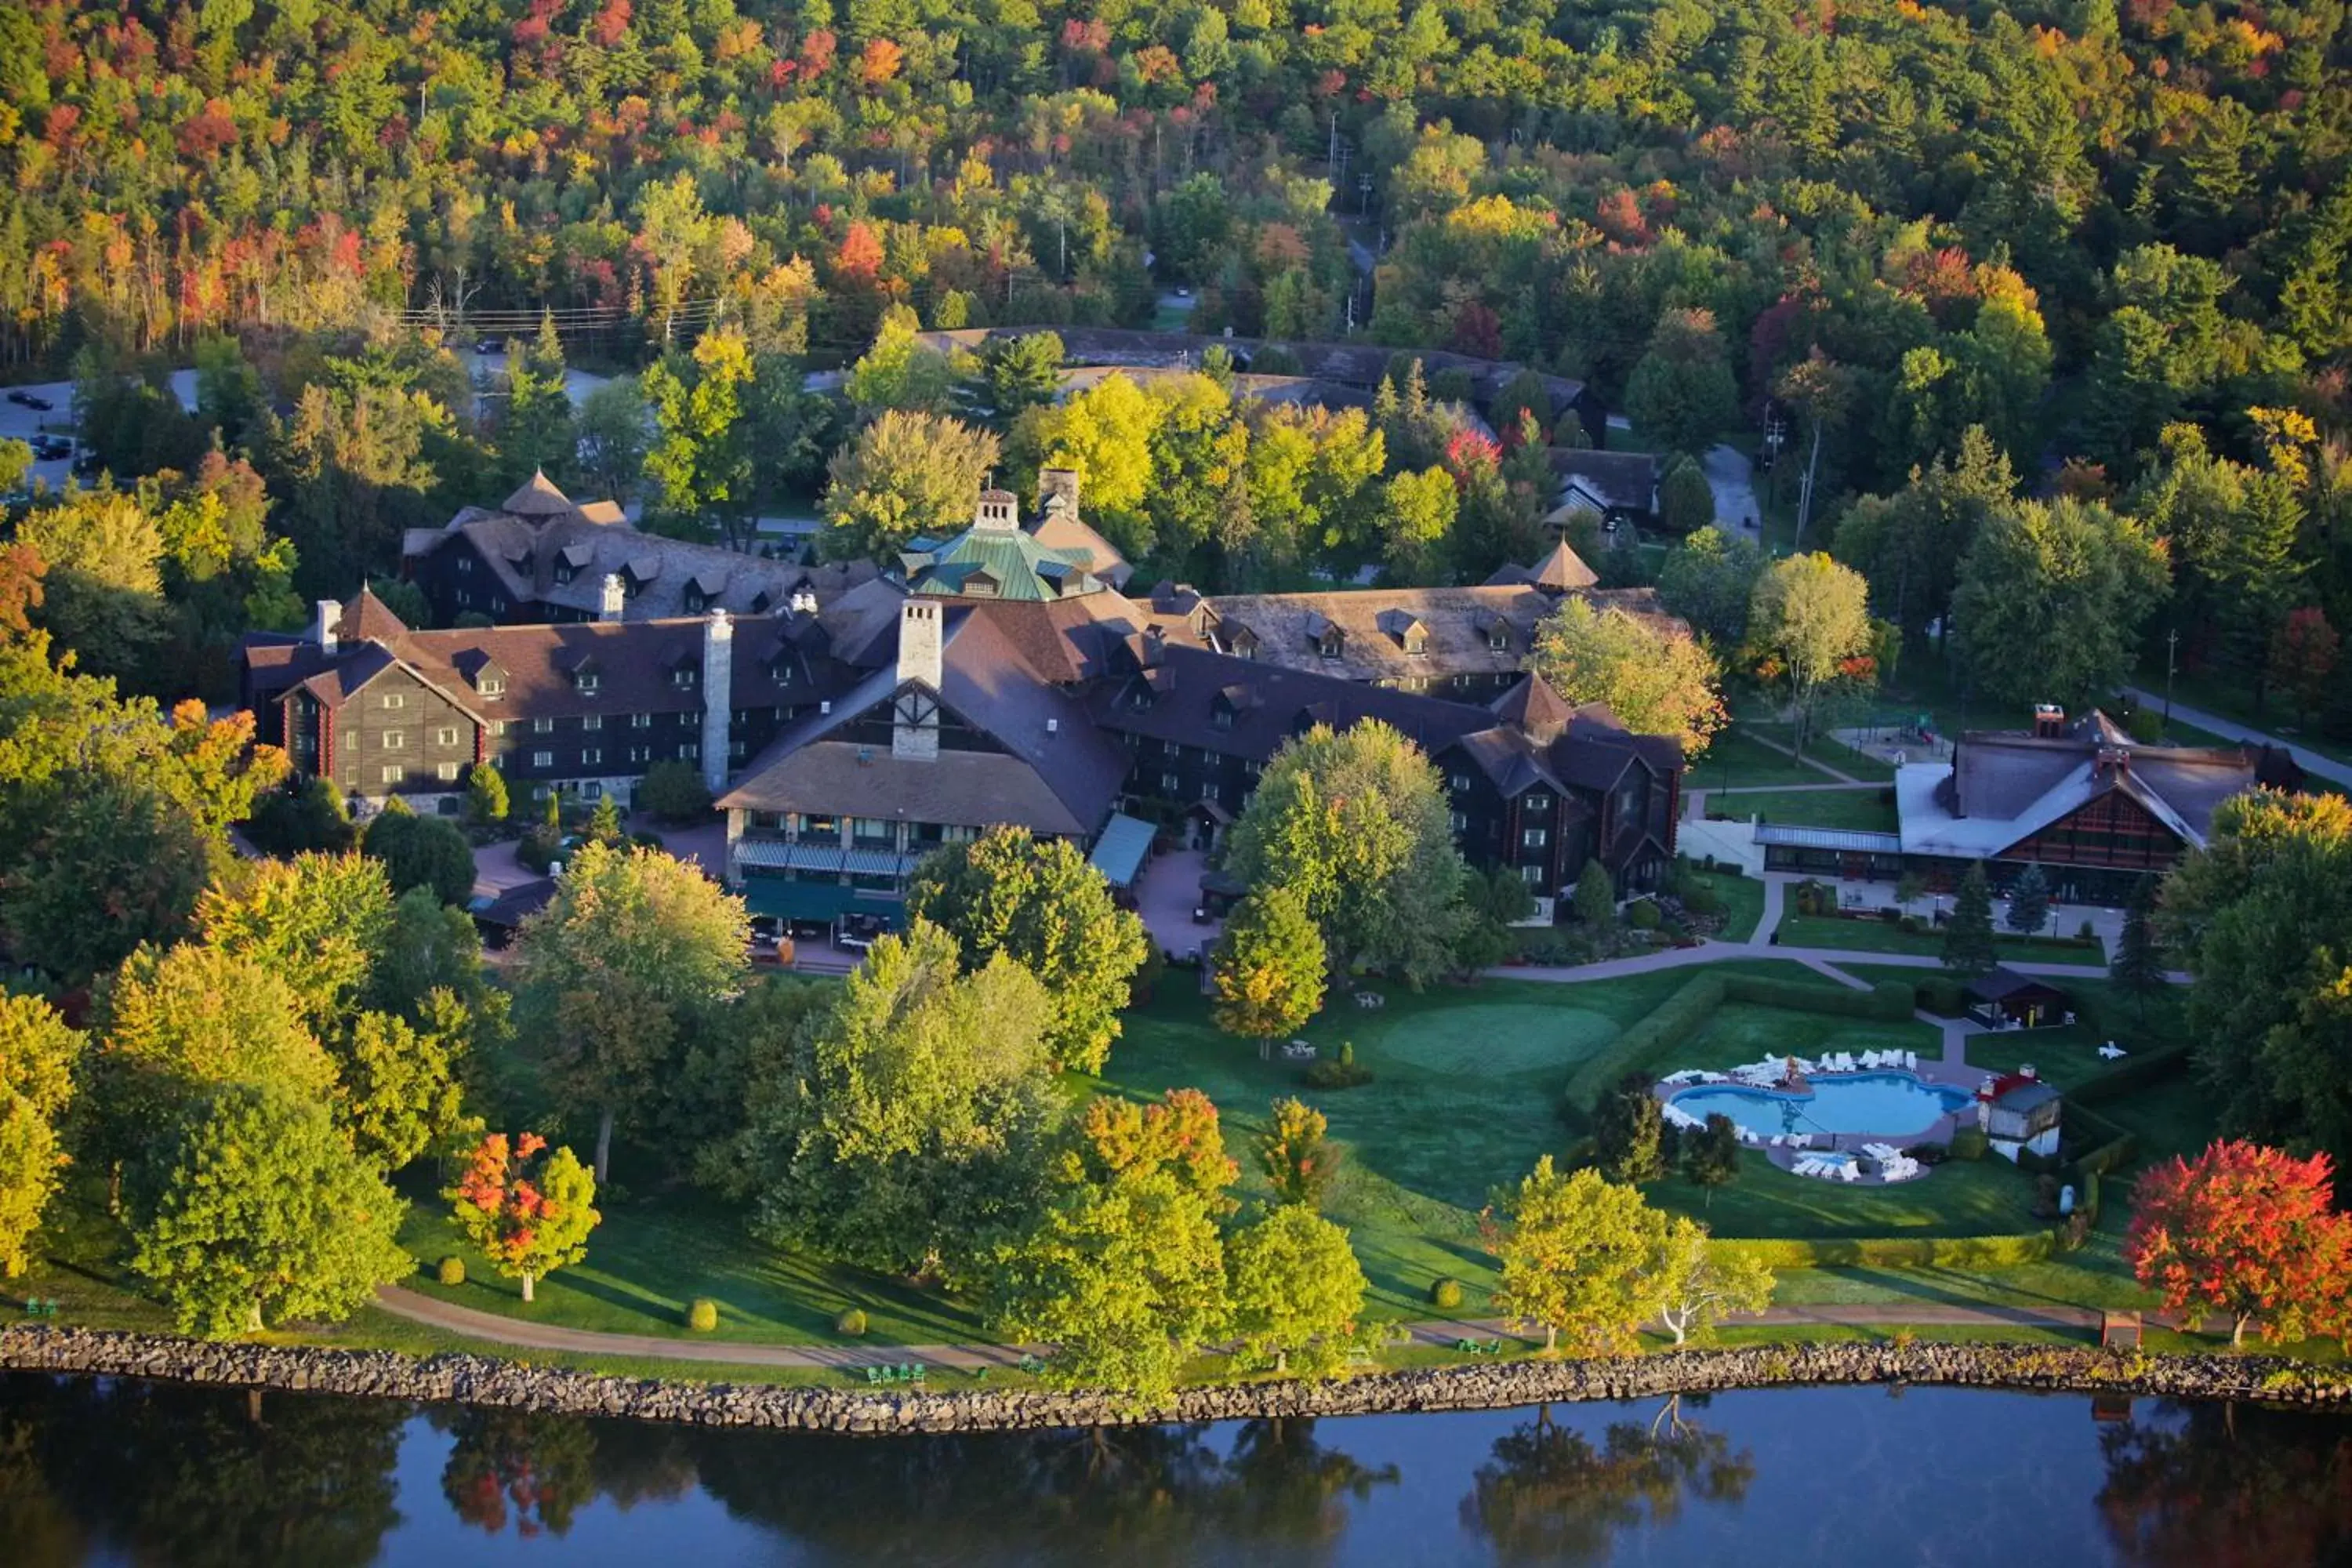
[
  {"x": 1959, "y": 1197},
  {"x": 1737, "y": 760},
  {"x": 651, "y": 1256},
  {"x": 1743, "y": 903},
  {"x": 2066, "y": 1057},
  {"x": 1860, "y": 810},
  {"x": 1825, "y": 749},
  {"x": 1884, "y": 936}
]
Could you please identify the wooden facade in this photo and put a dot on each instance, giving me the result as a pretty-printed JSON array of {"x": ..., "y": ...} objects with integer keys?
[{"x": 2113, "y": 831}]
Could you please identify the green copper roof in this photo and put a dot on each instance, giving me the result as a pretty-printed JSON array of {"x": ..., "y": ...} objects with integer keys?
[{"x": 992, "y": 561}]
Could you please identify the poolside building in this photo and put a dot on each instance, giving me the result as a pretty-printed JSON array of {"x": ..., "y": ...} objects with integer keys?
[
  {"x": 2008, "y": 1000},
  {"x": 2020, "y": 1114}
]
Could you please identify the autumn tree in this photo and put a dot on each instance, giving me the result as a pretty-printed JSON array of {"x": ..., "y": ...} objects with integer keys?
[
  {"x": 1269, "y": 966},
  {"x": 1685, "y": 498},
  {"x": 2247, "y": 1231},
  {"x": 700, "y": 461},
  {"x": 1356, "y": 823},
  {"x": 1042, "y": 904},
  {"x": 528, "y": 1216},
  {"x": 397, "y": 1084},
  {"x": 257, "y": 1211},
  {"x": 318, "y": 923},
  {"x": 1299, "y": 1162},
  {"x": 1298, "y": 1293},
  {"x": 906, "y": 475},
  {"x": 1809, "y": 631},
  {"x": 40, "y": 1056},
  {"x": 1179, "y": 1133},
  {"x": 2303, "y": 656},
  {"x": 907, "y": 1124},
  {"x": 1656, "y": 680},
  {"x": 635, "y": 948},
  {"x": 1700, "y": 1281},
  {"x": 1576, "y": 1253}
]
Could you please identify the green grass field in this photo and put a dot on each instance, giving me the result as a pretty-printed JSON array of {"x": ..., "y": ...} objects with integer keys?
[
  {"x": 1824, "y": 749},
  {"x": 1738, "y": 761},
  {"x": 1860, "y": 810},
  {"x": 1883, "y": 936},
  {"x": 1743, "y": 903}
]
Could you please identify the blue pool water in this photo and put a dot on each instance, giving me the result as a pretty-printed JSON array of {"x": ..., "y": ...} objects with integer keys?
[{"x": 1895, "y": 1104}]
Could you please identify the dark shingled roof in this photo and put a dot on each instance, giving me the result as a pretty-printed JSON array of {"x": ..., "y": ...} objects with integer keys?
[{"x": 2003, "y": 984}]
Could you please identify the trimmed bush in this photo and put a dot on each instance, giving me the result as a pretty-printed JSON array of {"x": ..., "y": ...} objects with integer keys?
[
  {"x": 2134, "y": 1072},
  {"x": 1338, "y": 1071},
  {"x": 451, "y": 1272},
  {"x": 1900, "y": 1251},
  {"x": 1642, "y": 916},
  {"x": 538, "y": 849},
  {"x": 702, "y": 1315},
  {"x": 1941, "y": 996},
  {"x": 1969, "y": 1143},
  {"x": 1445, "y": 1295},
  {"x": 851, "y": 1323}
]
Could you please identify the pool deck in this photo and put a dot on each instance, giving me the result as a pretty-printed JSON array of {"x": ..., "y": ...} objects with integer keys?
[{"x": 1946, "y": 1074}]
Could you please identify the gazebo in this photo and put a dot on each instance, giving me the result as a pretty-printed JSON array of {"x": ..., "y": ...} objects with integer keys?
[{"x": 2008, "y": 1000}]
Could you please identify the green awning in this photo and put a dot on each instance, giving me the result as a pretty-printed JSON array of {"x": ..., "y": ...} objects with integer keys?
[
  {"x": 1119, "y": 852},
  {"x": 790, "y": 900}
]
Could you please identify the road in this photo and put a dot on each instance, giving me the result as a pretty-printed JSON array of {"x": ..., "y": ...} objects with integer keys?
[
  {"x": 1733, "y": 479},
  {"x": 2311, "y": 762}
]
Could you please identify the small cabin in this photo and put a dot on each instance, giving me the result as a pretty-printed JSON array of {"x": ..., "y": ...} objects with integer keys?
[
  {"x": 2008, "y": 1000},
  {"x": 2020, "y": 1114}
]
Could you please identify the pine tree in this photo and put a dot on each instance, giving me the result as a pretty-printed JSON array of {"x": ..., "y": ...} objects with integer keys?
[
  {"x": 1968, "y": 939},
  {"x": 2138, "y": 967},
  {"x": 1596, "y": 896},
  {"x": 605, "y": 823},
  {"x": 1627, "y": 1134},
  {"x": 2029, "y": 902}
]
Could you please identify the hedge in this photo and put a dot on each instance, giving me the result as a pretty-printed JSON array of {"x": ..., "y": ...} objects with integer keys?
[
  {"x": 1900, "y": 1251},
  {"x": 2134, "y": 1072},
  {"x": 1684, "y": 1014}
]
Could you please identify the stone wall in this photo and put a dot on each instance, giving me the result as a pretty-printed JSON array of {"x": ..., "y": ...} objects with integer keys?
[{"x": 487, "y": 1380}]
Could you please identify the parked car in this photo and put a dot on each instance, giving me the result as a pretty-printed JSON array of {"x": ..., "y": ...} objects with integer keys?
[
  {"x": 30, "y": 401},
  {"x": 23, "y": 399},
  {"x": 48, "y": 449}
]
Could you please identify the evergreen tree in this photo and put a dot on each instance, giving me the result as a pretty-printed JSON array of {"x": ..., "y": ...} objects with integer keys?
[
  {"x": 605, "y": 823},
  {"x": 1596, "y": 896},
  {"x": 486, "y": 794},
  {"x": 2029, "y": 902},
  {"x": 2138, "y": 968},
  {"x": 1628, "y": 1132},
  {"x": 1967, "y": 936}
]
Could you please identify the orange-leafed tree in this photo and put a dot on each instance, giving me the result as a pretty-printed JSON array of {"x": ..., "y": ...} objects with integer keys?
[
  {"x": 2246, "y": 1230},
  {"x": 1179, "y": 1135},
  {"x": 529, "y": 1217}
]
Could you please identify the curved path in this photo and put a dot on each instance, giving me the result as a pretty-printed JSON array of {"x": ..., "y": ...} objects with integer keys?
[
  {"x": 492, "y": 1327},
  {"x": 2311, "y": 762}
]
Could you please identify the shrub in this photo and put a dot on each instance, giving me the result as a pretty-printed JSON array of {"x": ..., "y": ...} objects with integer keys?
[
  {"x": 1339, "y": 1070},
  {"x": 1969, "y": 1143},
  {"x": 2136, "y": 1072},
  {"x": 1642, "y": 916},
  {"x": 1941, "y": 996},
  {"x": 851, "y": 1323},
  {"x": 1929, "y": 1153},
  {"x": 1911, "y": 925},
  {"x": 2087, "y": 932},
  {"x": 673, "y": 791},
  {"x": 1900, "y": 1251},
  {"x": 1445, "y": 1295},
  {"x": 451, "y": 1272},
  {"x": 1701, "y": 900},
  {"x": 702, "y": 1315}
]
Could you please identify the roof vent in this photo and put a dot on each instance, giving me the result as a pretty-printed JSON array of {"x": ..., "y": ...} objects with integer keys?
[
  {"x": 826, "y": 706},
  {"x": 1053, "y": 726},
  {"x": 864, "y": 755}
]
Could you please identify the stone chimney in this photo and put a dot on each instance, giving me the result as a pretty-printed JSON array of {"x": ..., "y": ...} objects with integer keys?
[
  {"x": 718, "y": 697},
  {"x": 323, "y": 621},
  {"x": 915, "y": 721},
  {"x": 616, "y": 598},
  {"x": 2049, "y": 720},
  {"x": 1060, "y": 484}
]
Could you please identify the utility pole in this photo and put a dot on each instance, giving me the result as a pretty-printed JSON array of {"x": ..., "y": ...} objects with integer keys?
[
  {"x": 1331, "y": 155},
  {"x": 2171, "y": 647},
  {"x": 1805, "y": 490}
]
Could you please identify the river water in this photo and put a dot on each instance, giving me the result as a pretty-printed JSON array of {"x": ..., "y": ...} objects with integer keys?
[{"x": 121, "y": 1472}]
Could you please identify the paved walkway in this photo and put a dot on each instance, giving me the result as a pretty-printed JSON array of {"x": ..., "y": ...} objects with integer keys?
[
  {"x": 490, "y": 1326},
  {"x": 2311, "y": 762}
]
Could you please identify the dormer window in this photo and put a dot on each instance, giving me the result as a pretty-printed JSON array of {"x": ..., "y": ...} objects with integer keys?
[
  {"x": 1221, "y": 716},
  {"x": 562, "y": 573},
  {"x": 584, "y": 681},
  {"x": 1142, "y": 700},
  {"x": 694, "y": 600},
  {"x": 1498, "y": 639},
  {"x": 682, "y": 676}
]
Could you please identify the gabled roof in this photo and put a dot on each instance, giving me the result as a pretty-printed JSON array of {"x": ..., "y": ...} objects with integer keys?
[
  {"x": 1562, "y": 569},
  {"x": 1061, "y": 530},
  {"x": 538, "y": 497},
  {"x": 996, "y": 562},
  {"x": 368, "y": 619},
  {"x": 1533, "y": 706}
]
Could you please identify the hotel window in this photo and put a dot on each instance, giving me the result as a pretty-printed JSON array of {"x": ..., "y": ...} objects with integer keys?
[
  {"x": 1208, "y": 790},
  {"x": 393, "y": 700},
  {"x": 1538, "y": 801},
  {"x": 1460, "y": 824},
  {"x": 493, "y": 688},
  {"x": 735, "y": 748},
  {"x": 641, "y": 753},
  {"x": 1169, "y": 783},
  {"x": 393, "y": 740},
  {"x": 396, "y": 774},
  {"x": 542, "y": 759},
  {"x": 688, "y": 750},
  {"x": 641, "y": 720},
  {"x": 1532, "y": 875},
  {"x": 1534, "y": 837},
  {"x": 593, "y": 721},
  {"x": 543, "y": 726},
  {"x": 464, "y": 566},
  {"x": 447, "y": 772},
  {"x": 586, "y": 683},
  {"x": 1459, "y": 783},
  {"x": 682, "y": 676},
  {"x": 445, "y": 736},
  {"x": 498, "y": 726},
  {"x": 591, "y": 757}
]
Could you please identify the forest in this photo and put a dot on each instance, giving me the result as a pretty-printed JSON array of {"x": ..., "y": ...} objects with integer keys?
[{"x": 2112, "y": 239}]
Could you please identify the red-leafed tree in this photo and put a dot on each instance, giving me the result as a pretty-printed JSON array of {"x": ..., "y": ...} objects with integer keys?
[
  {"x": 2247, "y": 1230},
  {"x": 527, "y": 1221},
  {"x": 2302, "y": 656}
]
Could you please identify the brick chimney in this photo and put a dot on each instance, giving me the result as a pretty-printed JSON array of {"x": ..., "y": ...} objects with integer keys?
[
  {"x": 718, "y": 697},
  {"x": 2048, "y": 720},
  {"x": 326, "y": 615},
  {"x": 614, "y": 598}
]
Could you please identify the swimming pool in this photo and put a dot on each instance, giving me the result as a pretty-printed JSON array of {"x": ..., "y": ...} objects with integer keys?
[{"x": 1895, "y": 1104}]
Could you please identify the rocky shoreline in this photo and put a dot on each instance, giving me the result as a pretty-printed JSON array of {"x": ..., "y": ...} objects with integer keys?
[{"x": 491, "y": 1381}]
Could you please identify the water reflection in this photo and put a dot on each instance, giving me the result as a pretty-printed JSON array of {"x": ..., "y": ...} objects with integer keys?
[
  {"x": 1551, "y": 1495},
  {"x": 97, "y": 1472}
]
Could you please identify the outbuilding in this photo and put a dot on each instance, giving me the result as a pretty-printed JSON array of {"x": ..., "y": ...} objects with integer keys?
[
  {"x": 2005, "y": 999},
  {"x": 2020, "y": 1114}
]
